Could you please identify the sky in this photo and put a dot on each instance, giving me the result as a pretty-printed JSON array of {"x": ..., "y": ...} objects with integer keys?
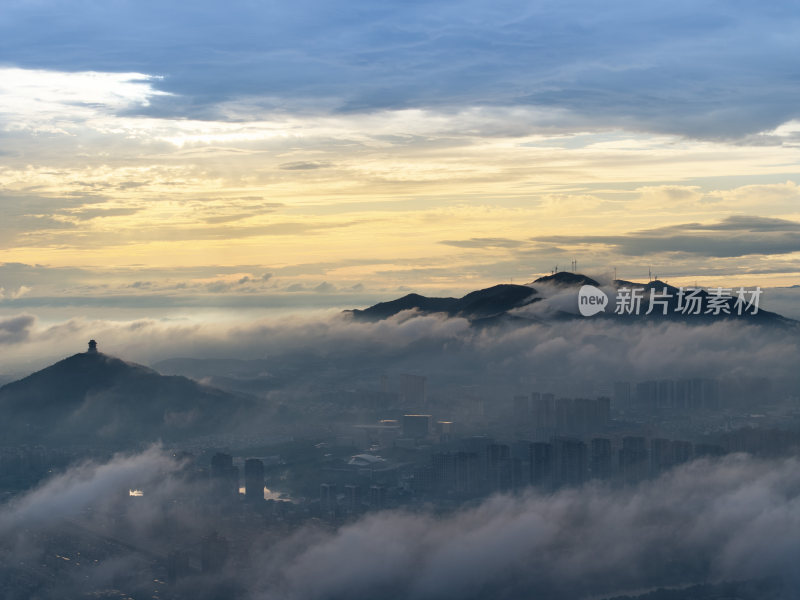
[{"x": 167, "y": 156}]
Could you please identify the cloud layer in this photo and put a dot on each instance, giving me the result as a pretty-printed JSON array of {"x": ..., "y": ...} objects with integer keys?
[
  {"x": 710, "y": 520},
  {"x": 315, "y": 352},
  {"x": 714, "y": 521}
]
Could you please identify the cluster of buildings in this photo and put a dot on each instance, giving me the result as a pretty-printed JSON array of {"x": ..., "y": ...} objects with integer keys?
[
  {"x": 484, "y": 466},
  {"x": 668, "y": 394},
  {"x": 545, "y": 414}
]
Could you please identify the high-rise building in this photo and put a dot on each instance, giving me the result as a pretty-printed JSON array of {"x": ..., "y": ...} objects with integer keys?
[
  {"x": 522, "y": 412},
  {"x": 412, "y": 389},
  {"x": 467, "y": 472},
  {"x": 665, "y": 394},
  {"x": 711, "y": 400},
  {"x": 622, "y": 395},
  {"x": 352, "y": 499},
  {"x": 213, "y": 553},
  {"x": 542, "y": 465},
  {"x": 224, "y": 475},
  {"x": 661, "y": 456},
  {"x": 601, "y": 460},
  {"x": 177, "y": 566},
  {"x": 603, "y": 412},
  {"x": 424, "y": 478},
  {"x": 445, "y": 430},
  {"x": 327, "y": 497},
  {"x": 696, "y": 394},
  {"x": 377, "y": 497},
  {"x": 564, "y": 420},
  {"x": 416, "y": 426},
  {"x": 681, "y": 452},
  {"x": 444, "y": 469},
  {"x": 571, "y": 461},
  {"x": 220, "y": 465},
  {"x": 584, "y": 415},
  {"x": 543, "y": 411},
  {"x": 709, "y": 450},
  {"x": 633, "y": 462},
  {"x": 647, "y": 395},
  {"x": 499, "y": 467},
  {"x": 254, "y": 480}
]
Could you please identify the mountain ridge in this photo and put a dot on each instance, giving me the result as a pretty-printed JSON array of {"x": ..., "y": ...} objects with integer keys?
[
  {"x": 512, "y": 303},
  {"x": 479, "y": 303}
]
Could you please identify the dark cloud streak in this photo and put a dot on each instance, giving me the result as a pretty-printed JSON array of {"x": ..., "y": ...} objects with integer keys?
[
  {"x": 735, "y": 236},
  {"x": 483, "y": 243}
]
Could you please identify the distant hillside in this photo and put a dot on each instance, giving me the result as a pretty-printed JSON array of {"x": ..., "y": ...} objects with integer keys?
[
  {"x": 532, "y": 302},
  {"x": 490, "y": 302},
  {"x": 93, "y": 397},
  {"x": 243, "y": 376}
]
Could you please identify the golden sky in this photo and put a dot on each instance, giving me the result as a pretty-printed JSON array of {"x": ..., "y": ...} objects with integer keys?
[{"x": 379, "y": 166}]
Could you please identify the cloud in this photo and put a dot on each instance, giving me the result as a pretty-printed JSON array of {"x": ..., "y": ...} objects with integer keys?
[
  {"x": 728, "y": 519},
  {"x": 53, "y": 101},
  {"x": 86, "y": 214},
  {"x": 73, "y": 512},
  {"x": 325, "y": 288},
  {"x": 736, "y": 223},
  {"x": 141, "y": 284},
  {"x": 734, "y": 236},
  {"x": 303, "y": 166},
  {"x": 674, "y": 67},
  {"x": 14, "y": 330},
  {"x": 449, "y": 350},
  {"x": 51, "y": 285},
  {"x": 483, "y": 243},
  {"x": 227, "y": 218},
  {"x": 706, "y": 521},
  {"x": 68, "y": 494},
  {"x": 670, "y": 194}
]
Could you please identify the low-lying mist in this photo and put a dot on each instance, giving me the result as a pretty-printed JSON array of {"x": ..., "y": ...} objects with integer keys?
[
  {"x": 732, "y": 518},
  {"x": 447, "y": 349}
]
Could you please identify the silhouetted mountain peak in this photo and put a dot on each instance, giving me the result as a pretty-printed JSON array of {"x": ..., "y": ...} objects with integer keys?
[
  {"x": 565, "y": 278},
  {"x": 81, "y": 373},
  {"x": 479, "y": 304},
  {"x": 94, "y": 394},
  {"x": 655, "y": 284}
]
